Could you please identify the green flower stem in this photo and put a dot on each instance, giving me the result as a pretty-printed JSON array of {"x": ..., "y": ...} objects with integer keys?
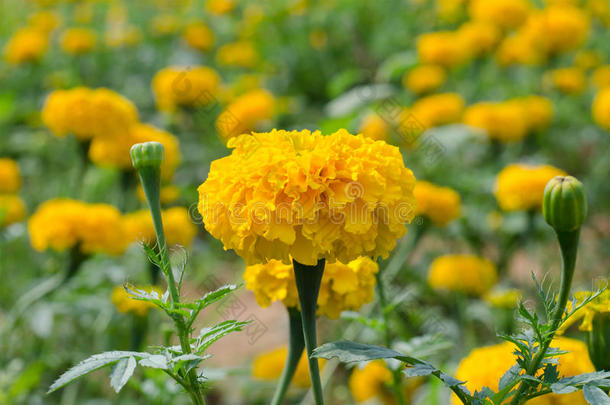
[
  {"x": 308, "y": 280},
  {"x": 568, "y": 243},
  {"x": 295, "y": 350}
]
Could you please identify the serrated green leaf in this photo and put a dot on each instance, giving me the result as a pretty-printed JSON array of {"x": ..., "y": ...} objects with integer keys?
[
  {"x": 216, "y": 295},
  {"x": 571, "y": 384},
  {"x": 155, "y": 361},
  {"x": 595, "y": 396},
  {"x": 348, "y": 352},
  {"x": 208, "y": 336},
  {"x": 122, "y": 372}
]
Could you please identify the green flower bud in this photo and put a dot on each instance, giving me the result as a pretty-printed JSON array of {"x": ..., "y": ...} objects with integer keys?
[
  {"x": 147, "y": 154},
  {"x": 564, "y": 205},
  {"x": 599, "y": 341}
]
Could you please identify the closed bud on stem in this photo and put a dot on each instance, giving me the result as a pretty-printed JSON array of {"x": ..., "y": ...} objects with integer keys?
[
  {"x": 147, "y": 154},
  {"x": 564, "y": 205}
]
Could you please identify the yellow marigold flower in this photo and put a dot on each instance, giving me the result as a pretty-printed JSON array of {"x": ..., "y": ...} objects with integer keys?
[
  {"x": 375, "y": 127},
  {"x": 60, "y": 224},
  {"x": 178, "y": 86},
  {"x": 45, "y": 21},
  {"x": 269, "y": 366},
  {"x": 307, "y": 196},
  {"x": 344, "y": 287},
  {"x": 558, "y": 28},
  {"x": 520, "y": 187},
  {"x": 468, "y": 274},
  {"x": 601, "y": 108},
  {"x": 125, "y": 304},
  {"x": 440, "y": 204},
  {"x": 502, "y": 298},
  {"x": 245, "y": 113},
  {"x": 164, "y": 24},
  {"x": 479, "y": 36},
  {"x": 12, "y": 209},
  {"x": 177, "y": 224},
  {"x": 88, "y": 113},
  {"x": 219, "y": 7},
  {"x": 241, "y": 54},
  {"x": 169, "y": 194},
  {"x": 445, "y": 48},
  {"x": 373, "y": 381},
  {"x": 569, "y": 80},
  {"x": 26, "y": 45},
  {"x": 10, "y": 179},
  {"x": 505, "y": 122},
  {"x": 601, "y": 77},
  {"x": 198, "y": 36},
  {"x": 484, "y": 367},
  {"x": 438, "y": 109},
  {"x": 114, "y": 152},
  {"x": 77, "y": 41},
  {"x": 538, "y": 111},
  {"x": 424, "y": 78},
  {"x": 503, "y": 13},
  {"x": 521, "y": 48},
  {"x": 588, "y": 59},
  {"x": 586, "y": 314}
]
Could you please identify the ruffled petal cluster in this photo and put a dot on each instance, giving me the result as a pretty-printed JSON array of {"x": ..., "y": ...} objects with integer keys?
[
  {"x": 520, "y": 187},
  {"x": 467, "y": 274},
  {"x": 441, "y": 204},
  {"x": 302, "y": 195},
  {"x": 180, "y": 86}
]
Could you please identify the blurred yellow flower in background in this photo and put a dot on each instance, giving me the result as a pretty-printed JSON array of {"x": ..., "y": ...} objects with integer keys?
[
  {"x": 438, "y": 109},
  {"x": 185, "y": 86},
  {"x": 219, "y": 7},
  {"x": 177, "y": 224},
  {"x": 503, "y": 13},
  {"x": 538, "y": 111},
  {"x": 12, "y": 209},
  {"x": 424, "y": 78},
  {"x": 245, "y": 113},
  {"x": 375, "y": 127},
  {"x": 601, "y": 108},
  {"x": 570, "y": 80},
  {"x": 77, "y": 41},
  {"x": 10, "y": 178},
  {"x": 503, "y": 298},
  {"x": 45, "y": 20},
  {"x": 468, "y": 274},
  {"x": 503, "y": 121},
  {"x": 125, "y": 304},
  {"x": 588, "y": 59},
  {"x": 373, "y": 382},
  {"x": 164, "y": 24},
  {"x": 198, "y": 36},
  {"x": 440, "y": 204},
  {"x": 601, "y": 77},
  {"x": 445, "y": 48},
  {"x": 269, "y": 366},
  {"x": 480, "y": 37},
  {"x": 520, "y": 187},
  {"x": 240, "y": 54},
  {"x": 26, "y": 45}
]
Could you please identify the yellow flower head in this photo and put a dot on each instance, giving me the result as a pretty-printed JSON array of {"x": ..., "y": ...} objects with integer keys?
[
  {"x": 88, "y": 113},
  {"x": 599, "y": 305},
  {"x": 177, "y": 224},
  {"x": 538, "y": 111},
  {"x": 373, "y": 381},
  {"x": 503, "y": 13},
  {"x": 245, "y": 113},
  {"x": 521, "y": 48},
  {"x": 502, "y": 298},
  {"x": 304, "y": 195},
  {"x": 26, "y": 45},
  {"x": 77, "y": 41},
  {"x": 241, "y": 54},
  {"x": 164, "y": 24},
  {"x": 345, "y": 287},
  {"x": 570, "y": 80},
  {"x": 438, "y": 109},
  {"x": 520, "y": 187},
  {"x": 198, "y": 36},
  {"x": 467, "y": 274},
  {"x": 60, "y": 224},
  {"x": 192, "y": 87},
  {"x": 505, "y": 122},
  {"x": 374, "y": 126},
  {"x": 445, "y": 48},
  {"x": 601, "y": 108},
  {"x": 424, "y": 78},
  {"x": 12, "y": 209},
  {"x": 10, "y": 179},
  {"x": 125, "y": 304},
  {"x": 46, "y": 21},
  {"x": 440, "y": 204},
  {"x": 601, "y": 77},
  {"x": 484, "y": 367},
  {"x": 219, "y": 7},
  {"x": 268, "y": 366},
  {"x": 479, "y": 36}
]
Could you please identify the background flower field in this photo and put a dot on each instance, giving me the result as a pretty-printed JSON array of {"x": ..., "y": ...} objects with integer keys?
[{"x": 485, "y": 101}]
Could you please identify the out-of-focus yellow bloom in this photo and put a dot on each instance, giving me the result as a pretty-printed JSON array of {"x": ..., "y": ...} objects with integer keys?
[
  {"x": 569, "y": 80},
  {"x": 88, "y": 113},
  {"x": 83, "y": 12},
  {"x": 60, "y": 224},
  {"x": 520, "y": 48},
  {"x": 586, "y": 314},
  {"x": 445, "y": 48},
  {"x": 177, "y": 224},
  {"x": 538, "y": 111},
  {"x": 424, "y": 78},
  {"x": 219, "y": 7},
  {"x": 503, "y": 13},
  {"x": 77, "y": 41},
  {"x": 26, "y": 45},
  {"x": 588, "y": 59},
  {"x": 484, "y": 367},
  {"x": 375, "y": 127},
  {"x": 114, "y": 152},
  {"x": 520, "y": 187},
  {"x": 12, "y": 209},
  {"x": 440, "y": 204},
  {"x": 450, "y": 10},
  {"x": 299, "y": 197},
  {"x": 503, "y": 298},
  {"x": 245, "y": 113},
  {"x": 121, "y": 35},
  {"x": 125, "y": 304},
  {"x": 438, "y": 109},
  {"x": 505, "y": 122},
  {"x": 269, "y": 366},
  {"x": 45, "y": 21},
  {"x": 480, "y": 37},
  {"x": 241, "y": 54},
  {"x": 10, "y": 179},
  {"x": 344, "y": 286},
  {"x": 601, "y": 108},
  {"x": 318, "y": 39},
  {"x": 601, "y": 77},
  {"x": 468, "y": 274},
  {"x": 192, "y": 87},
  {"x": 199, "y": 36},
  {"x": 373, "y": 381},
  {"x": 169, "y": 194},
  {"x": 164, "y": 24}
]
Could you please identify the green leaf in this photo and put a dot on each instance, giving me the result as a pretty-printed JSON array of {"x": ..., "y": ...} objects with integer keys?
[
  {"x": 216, "y": 295},
  {"x": 570, "y": 384},
  {"x": 595, "y": 396},
  {"x": 348, "y": 352},
  {"x": 122, "y": 372},
  {"x": 155, "y": 361},
  {"x": 208, "y": 336}
]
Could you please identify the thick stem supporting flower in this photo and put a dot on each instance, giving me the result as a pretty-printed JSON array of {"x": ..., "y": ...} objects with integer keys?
[
  {"x": 308, "y": 280},
  {"x": 295, "y": 350}
]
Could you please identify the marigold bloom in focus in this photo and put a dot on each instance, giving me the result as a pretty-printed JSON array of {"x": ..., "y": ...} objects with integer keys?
[
  {"x": 77, "y": 41},
  {"x": 26, "y": 45},
  {"x": 468, "y": 274},
  {"x": 375, "y": 127},
  {"x": 424, "y": 78},
  {"x": 445, "y": 48},
  {"x": 182, "y": 86},
  {"x": 12, "y": 209},
  {"x": 245, "y": 113},
  {"x": 484, "y": 367},
  {"x": 198, "y": 36},
  {"x": 307, "y": 196},
  {"x": 269, "y": 366},
  {"x": 520, "y": 187},
  {"x": 503, "y": 13},
  {"x": 10, "y": 179},
  {"x": 241, "y": 54},
  {"x": 440, "y": 204},
  {"x": 373, "y": 381},
  {"x": 569, "y": 80},
  {"x": 126, "y": 304},
  {"x": 177, "y": 224},
  {"x": 438, "y": 109},
  {"x": 601, "y": 108}
]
